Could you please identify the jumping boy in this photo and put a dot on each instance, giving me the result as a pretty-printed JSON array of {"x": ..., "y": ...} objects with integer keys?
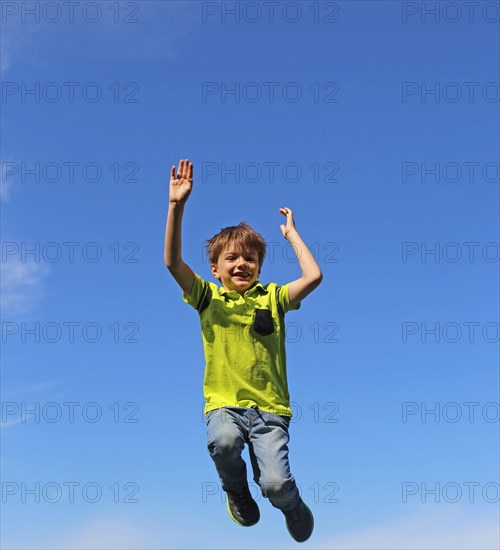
[{"x": 243, "y": 332}]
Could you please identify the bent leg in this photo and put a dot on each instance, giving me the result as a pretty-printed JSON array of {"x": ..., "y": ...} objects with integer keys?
[
  {"x": 226, "y": 441},
  {"x": 268, "y": 448}
]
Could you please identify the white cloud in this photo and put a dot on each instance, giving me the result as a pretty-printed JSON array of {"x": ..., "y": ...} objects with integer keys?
[
  {"x": 40, "y": 387},
  {"x": 5, "y": 182},
  {"x": 21, "y": 285},
  {"x": 432, "y": 526},
  {"x": 11, "y": 422},
  {"x": 20, "y": 281},
  {"x": 16, "y": 41},
  {"x": 5, "y": 52},
  {"x": 111, "y": 533},
  {"x": 161, "y": 31},
  {"x": 106, "y": 533}
]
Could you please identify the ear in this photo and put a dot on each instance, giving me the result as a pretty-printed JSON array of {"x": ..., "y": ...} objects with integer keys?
[{"x": 215, "y": 271}]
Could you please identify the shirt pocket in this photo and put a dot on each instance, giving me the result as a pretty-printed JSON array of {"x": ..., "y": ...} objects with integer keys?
[{"x": 263, "y": 322}]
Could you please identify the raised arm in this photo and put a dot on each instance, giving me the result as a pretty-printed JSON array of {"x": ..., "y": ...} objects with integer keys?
[
  {"x": 311, "y": 273},
  {"x": 180, "y": 189}
]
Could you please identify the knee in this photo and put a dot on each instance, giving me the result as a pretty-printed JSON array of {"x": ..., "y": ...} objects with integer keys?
[
  {"x": 225, "y": 443},
  {"x": 272, "y": 486}
]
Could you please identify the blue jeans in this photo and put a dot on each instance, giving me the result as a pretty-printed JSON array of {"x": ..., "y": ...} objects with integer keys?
[{"x": 266, "y": 434}]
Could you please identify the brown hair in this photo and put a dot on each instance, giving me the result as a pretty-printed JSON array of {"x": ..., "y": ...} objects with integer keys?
[{"x": 242, "y": 235}]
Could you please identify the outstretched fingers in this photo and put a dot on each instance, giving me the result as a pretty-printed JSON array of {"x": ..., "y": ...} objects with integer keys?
[{"x": 185, "y": 170}]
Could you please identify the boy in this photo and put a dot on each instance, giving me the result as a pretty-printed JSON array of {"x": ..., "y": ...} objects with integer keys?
[{"x": 243, "y": 332}]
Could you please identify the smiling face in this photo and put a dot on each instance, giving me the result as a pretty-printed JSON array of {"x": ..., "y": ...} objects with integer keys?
[{"x": 237, "y": 269}]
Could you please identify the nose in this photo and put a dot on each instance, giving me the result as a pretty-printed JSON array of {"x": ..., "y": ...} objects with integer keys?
[{"x": 241, "y": 262}]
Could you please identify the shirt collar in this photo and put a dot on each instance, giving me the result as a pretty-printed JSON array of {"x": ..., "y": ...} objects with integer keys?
[{"x": 256, "y": 288}]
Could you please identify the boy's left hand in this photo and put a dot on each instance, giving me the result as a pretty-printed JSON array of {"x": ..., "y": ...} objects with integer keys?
[{"x": 290, "y": 224}]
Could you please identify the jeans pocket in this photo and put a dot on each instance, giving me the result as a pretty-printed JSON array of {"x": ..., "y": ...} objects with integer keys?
[{"x": 263, "y": 322}]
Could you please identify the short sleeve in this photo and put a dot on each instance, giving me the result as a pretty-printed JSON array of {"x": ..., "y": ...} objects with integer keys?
[
  {"x": 284, "y": 299},
  {"x": 201, "y": 294}
]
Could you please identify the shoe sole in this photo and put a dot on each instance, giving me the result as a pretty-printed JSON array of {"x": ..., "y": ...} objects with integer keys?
[
  {"x": 312, "y": 528},
  {"x": 235, "y": 520}
]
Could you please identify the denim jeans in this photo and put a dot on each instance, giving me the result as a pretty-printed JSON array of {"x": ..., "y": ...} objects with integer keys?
[{"x": 229, "y": 428}]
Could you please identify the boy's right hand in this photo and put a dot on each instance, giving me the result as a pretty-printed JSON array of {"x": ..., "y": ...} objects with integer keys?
[{"x": 181, "y": 185}]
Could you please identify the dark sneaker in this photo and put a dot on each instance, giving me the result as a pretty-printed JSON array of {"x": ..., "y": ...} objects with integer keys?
[
  {"x": 242, "y": 507},
  {"x": 300, "y": 522}
]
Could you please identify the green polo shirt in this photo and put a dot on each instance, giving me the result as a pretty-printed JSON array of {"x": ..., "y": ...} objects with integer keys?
[{"x": 244, "y": 344}]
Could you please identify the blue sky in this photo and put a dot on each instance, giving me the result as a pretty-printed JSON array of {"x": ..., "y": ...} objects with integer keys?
[{"x": 97, "y": 340}]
